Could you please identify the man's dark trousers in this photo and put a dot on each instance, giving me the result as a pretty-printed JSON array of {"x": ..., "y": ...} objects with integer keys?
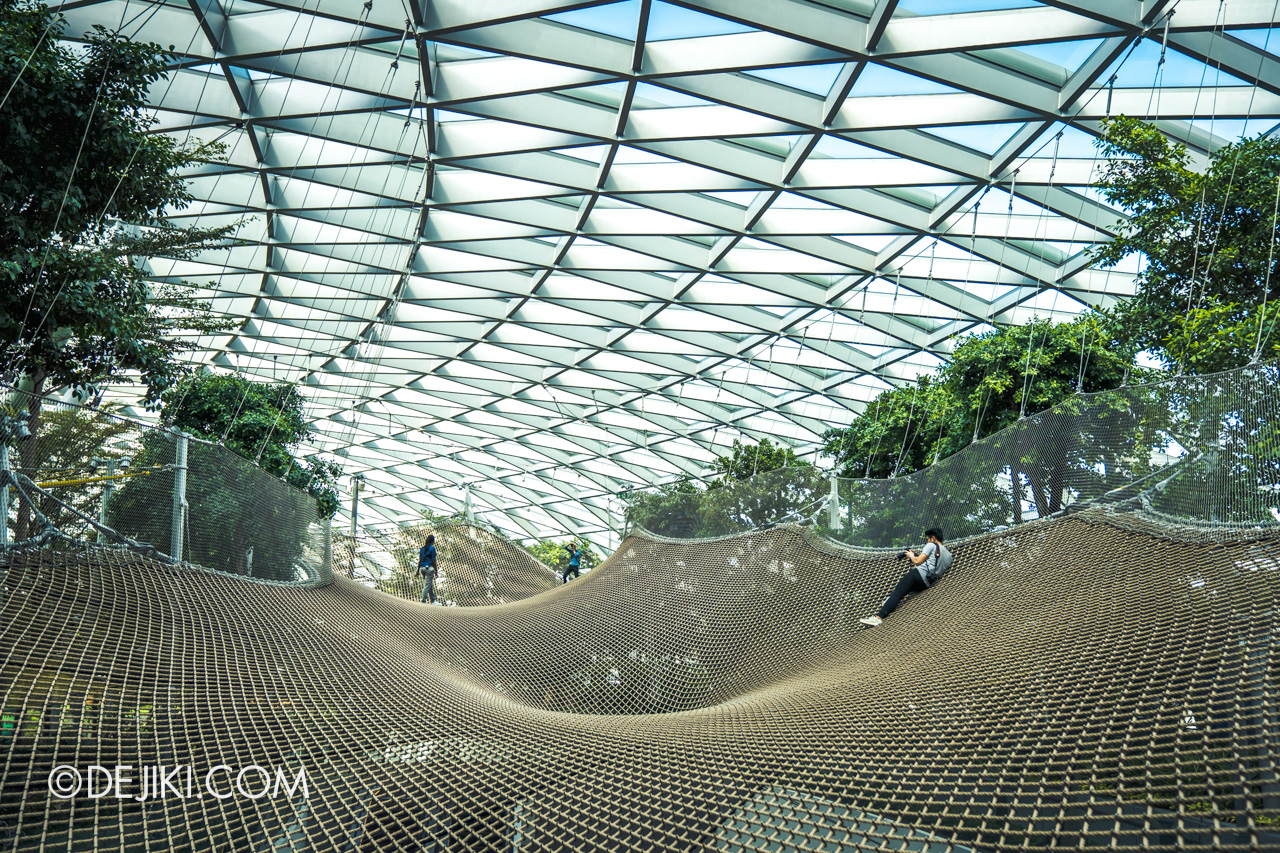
[{"x": 910, "y": 583}]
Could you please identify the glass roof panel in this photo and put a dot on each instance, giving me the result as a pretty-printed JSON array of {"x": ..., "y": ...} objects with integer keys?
[
  {"x": 668, "y": 21},
  {"x": 614, "y": 19},
  {"x": 955, "y": 7},
  {"x": 585, "y": 256},
  {"x": 817, "y": 79},
  {"x": 879, "y": 80}
]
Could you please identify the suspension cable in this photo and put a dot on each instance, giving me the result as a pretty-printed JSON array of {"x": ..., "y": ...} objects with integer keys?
[{"x": 1266, "y": 287}]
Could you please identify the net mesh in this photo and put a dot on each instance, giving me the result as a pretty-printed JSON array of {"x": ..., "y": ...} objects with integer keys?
[
  {"x": 89, "y": 476},
  {"x": 1204, "y": 449},
  {"x": 1077, "y": 683},
  {"x": 477, "y": 566},
  {"x": 1103, "y": 677}
]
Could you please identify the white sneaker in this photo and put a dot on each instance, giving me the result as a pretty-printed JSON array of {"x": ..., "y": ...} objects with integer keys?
[{"x": 873, "y": 621}]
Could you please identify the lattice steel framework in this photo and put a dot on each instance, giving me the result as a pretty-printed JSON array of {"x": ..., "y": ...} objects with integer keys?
[{"x": 556, "y": 249}]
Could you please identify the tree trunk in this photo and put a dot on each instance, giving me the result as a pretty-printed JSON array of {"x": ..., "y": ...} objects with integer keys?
[
  {"x": 1038, "y": 494},
  {"x": 1057, "y": 480},
  {"x": 29, "y": 453},
  {"x": 1015, "y": 480}
]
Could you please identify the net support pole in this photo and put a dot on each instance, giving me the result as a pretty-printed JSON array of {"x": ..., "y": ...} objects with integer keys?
[
  {"x": 471, "y": 515},
  {"x": 355, "y": 503},
  {"x": 833, "y": 504},
  {"x": 179, "y": 495},
  {"x": 4, "y": 494},
  {"x": 109, "y": 465},
  {"x": 328, "y": 545}
]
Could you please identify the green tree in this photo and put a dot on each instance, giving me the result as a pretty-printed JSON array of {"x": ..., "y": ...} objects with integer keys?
[
  {"x": 60, "y": 455},
  {"x": 85, "y": 189},
  {"x": 1002, "y": 376},
  {"x": 904, "y": 429},
  {"x": 1208, "y": 240},
  {"x": 756, "y": 484},
  {"x": 555, "y": 554},
  {"x": 745, "y": 461},
  {"x": 670, "y": 509},
  {"x": 993, "y": 382},
  {"x": 235, "y": 506},
  {"x": 1222, "y": 336},
  {"x": 264, "y": 422}
]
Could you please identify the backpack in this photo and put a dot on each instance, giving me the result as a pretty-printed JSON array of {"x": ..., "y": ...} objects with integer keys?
[{"x": 941, "y": 563}]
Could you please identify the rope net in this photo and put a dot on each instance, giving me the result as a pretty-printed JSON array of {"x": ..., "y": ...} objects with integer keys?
[
  {"x": 1101, "y": 678},
  {"x": 477, "y": 566},
  {"x": 89, "y": 476},
  {"x": 1079, "y": 683},
  {"x": 1204, "y": 449}
]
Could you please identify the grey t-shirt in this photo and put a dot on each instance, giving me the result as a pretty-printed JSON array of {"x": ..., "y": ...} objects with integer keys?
[{"x": 937, "y": 561}]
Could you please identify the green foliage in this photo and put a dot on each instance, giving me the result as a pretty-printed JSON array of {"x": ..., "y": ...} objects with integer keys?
[
  {"x": 998, "y": 377},
  {"x": 260, "y": 421},
  {"x": 60, "y": 453},
  {"x": 903, "y": 430},
  {"x": 554, "y": 554},
  {"x": 909, "y": 428},
  {"x": 84, "y": 192},
  {"x": 234, "y": 506},
  {"x": 747, "y": 460},
  {"x": 670, "y": 509},
  {"x": 1223, "y": 335},
  {"x": 1208, "y": 239},
  {"x": 757, "y": 484},
  {"x": 728, "y": 505}
]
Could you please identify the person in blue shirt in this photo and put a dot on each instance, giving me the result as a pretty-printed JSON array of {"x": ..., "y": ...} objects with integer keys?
[
  {"x": 427, "y": 568},
  {"x": 575, "y": 561},
  {"x": 926, "y": 568}
]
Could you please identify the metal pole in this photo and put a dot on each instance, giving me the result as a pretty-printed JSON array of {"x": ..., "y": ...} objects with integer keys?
[
  {"x": 355, "y": 503},
  {"x": 179, "y": 496},
  {"x": 4, "y": 495},
  {"x": 471, "y": 516},
  {"x": 107, "y": 488},
  {"x": 833, "y": 504},
  {"x": 328, "y": 544}
]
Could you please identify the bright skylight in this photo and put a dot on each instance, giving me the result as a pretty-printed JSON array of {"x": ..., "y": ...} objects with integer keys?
[{"x": 587, "y": 265}]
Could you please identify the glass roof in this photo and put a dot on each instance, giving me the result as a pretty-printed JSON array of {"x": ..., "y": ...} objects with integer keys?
[{"x": 531, "y": 254}]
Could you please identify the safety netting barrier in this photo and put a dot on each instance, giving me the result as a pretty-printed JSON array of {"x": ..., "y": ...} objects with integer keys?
[
  {"x": 1204, "y": 449},
  {"x": 89, "y": 477}
]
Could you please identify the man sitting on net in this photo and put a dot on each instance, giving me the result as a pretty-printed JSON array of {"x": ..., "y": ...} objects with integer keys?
[{"x": 926, "y": 567}]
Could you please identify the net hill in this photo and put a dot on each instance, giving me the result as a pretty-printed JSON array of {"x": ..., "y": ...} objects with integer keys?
[{"x": 1101, "y": 675}]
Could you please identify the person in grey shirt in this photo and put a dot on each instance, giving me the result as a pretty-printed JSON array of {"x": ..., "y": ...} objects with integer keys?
[{"x": 926, "y": 567}]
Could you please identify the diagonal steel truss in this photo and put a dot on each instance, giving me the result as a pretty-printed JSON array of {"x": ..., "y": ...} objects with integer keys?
[{"x": 547, "y": 251}]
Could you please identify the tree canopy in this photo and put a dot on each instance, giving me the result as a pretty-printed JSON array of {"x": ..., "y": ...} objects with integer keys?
[
  {"x": 1208, "y": 240},
  {"x": 745, "y": 461},
  {"x": 755, "y": 485},
  {"x": 992, "y": 381},
  {"x": 85, "y": 191},
  {"x": 263, "y": 422},
  {"x": 235, "y": 506}
]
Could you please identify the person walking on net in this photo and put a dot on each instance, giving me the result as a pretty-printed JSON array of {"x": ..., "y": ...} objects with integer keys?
[
  {"x": 926, "y": 567},
  {"x": 575, "y": 561},
  {"x": 427, "y": 569}
]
